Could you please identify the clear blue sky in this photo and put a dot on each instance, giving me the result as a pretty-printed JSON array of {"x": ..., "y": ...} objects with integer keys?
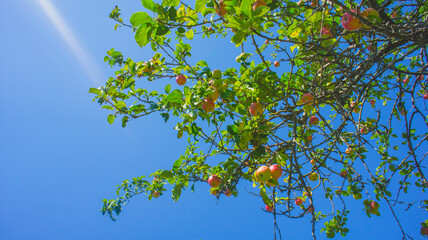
[{"x": 59, "y": 157}]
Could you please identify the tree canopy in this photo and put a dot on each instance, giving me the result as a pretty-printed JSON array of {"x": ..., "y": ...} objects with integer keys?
[{"x": 354, "y": 85}]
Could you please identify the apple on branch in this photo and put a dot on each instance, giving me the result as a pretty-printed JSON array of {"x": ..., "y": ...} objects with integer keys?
[
  {"x": 214, "y": 181},
  {"x": 351, "y": 23},
  {"x": 180, "y": 79}
]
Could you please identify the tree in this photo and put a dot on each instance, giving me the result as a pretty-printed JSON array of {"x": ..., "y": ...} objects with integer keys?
[{"x": 356, "y": 86}]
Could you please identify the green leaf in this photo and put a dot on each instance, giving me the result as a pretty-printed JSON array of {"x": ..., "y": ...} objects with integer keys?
[
  {"x": 95, "y": 90},
  {"x": 238, "y": 38},
  {"x": 168, "y": 88},
  {"x": 189, "y": 34},
  {"x": 148, "y": 4},
  {"x": 110, "y": 118},
  {"x": 265, "y": 197},
  {"x": 139, "y": 18},
  {"x": 170, "y": 3},
  {"x": 162, "y": 30},
  {"x": 200, "y": 5},
  {"x": 176, "y": 192},
  {"x": 141, "y": 35},
  {"x": 246, "y": 7},
  {"x": 166, "y": 174},
  {"x": 175, "y": 96}
]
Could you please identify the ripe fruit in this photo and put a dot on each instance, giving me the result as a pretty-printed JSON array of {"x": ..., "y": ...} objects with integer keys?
[
  {"x": 344, "y": 173},
  {"x": 314, "y": 176},
  {"x": 351, "y": 23},
  {"x": 180, "y": 79},
  {"x": 426, "y": 96},
  {"x": 314, "y": 120},
  {"x": 267, "y": 41},
  {"x": 263, "y": 174},
  {"x": 216, "y": 74},
  {"x": 371, "y": 14},
  {"x": 310, "y": 208},
  {"x": 313, "y": 161},
  {"x": 156, "y": 194},
  {"x": 214, "y": 192},
  {"x": 269, "y": 209},
  {"x": 349, "y": 150},
  {"x": 208, "y": 105},
  {"x": 357, "y": 196},
  {"x": 394, "y": 14},
  {"x": 298, "y": 201},
  {"x": 227, "y": 192},
  {"x": 221, "y": 9},
  {"x": 307, "y": 98},
  {"x": 276, "y": 171},
  {"x": 374, "y": 205},
  {"x": 213, "y": 94},
  {"x": 258, "y": 4},
  {"x": 256, "y": 109},
  {"x": 309, "y": 138},
  {"x": 372, "y": 102},
  {"x": 326, "y": 33},
  {"x": 424, "y": 231},
  {"x": 406, "y": 81},
  {"x": 364, "y": 130},
  {"x": 276, "y": 64},
  {"x": 214, "y": 181}
]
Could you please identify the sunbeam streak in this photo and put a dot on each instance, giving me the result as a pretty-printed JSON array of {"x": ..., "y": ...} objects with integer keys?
[{"x": 89, "y": 65}]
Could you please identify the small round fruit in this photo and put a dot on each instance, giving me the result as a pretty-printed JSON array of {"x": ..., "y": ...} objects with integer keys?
[
  {"x": 268, "y": 208},
  {"x": 426, "y": 96},
  {"x": 314, "y": 176},
  {"x": 314, "y": 120},
  {"x": 276, "y": 171},
  {"x": 213, "y": 94},
  {"x": 216, "y": 74},
  {"x": 313, "y": 161},
  {"x": 372, "y": 102},
  {"x": 357, "y": 196},
  {"x": 310, "y": 208},
  {"x": 276, "y": 64},
  {"x": 298, "y": 201},
  {"x": 364, "y": 130},
  {"x": 344, "y": 173},
  {"x": 350, "y": 23},
  {"x": 374, "y": 205},
  {"x": 263, "y": 173},
  {"x": 156, "y": 194},
  {"x": 221, "y": 10},
  {"x": 256, "y": 109},
  {"x": 307, "y": 98},
  {"x": 309, "y": 138},
  {"x": 424, "y": 231},
  {"x": 227, "y": 192},
  {"x": 214, "y": 181},
  {"x": 258, "y": 4},
  {"x": 326, "y": 33},
  {"x": 214, "y": 192},
  {"x": 349, "y": 150},
  {"x": 180, "y": 79},
  {"x": 357, "y": 109},
  {"x": 208, "y": 105},
  {"x": 406, "y": 81}
]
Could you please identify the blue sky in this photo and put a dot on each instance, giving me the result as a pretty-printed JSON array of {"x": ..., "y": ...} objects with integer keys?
[{"x": 59, "y": 157}]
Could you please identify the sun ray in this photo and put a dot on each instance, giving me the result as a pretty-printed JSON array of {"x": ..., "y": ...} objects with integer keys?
[{"x": 88, "y": 64}]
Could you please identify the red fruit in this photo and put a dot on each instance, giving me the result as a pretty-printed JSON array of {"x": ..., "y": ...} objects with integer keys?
[
  {"x": 263, "y": 174},
  {"x": 309, "y": 138},
  {"x": 276, "y": 171},
  {"x": 227, "y": 192},
  {"x": 406, "y": 80},
  {"x": 267, "y": 41},
  {"x": 269, "y": 209},
  {"x": 276, "y": 64},
  {"x": 298, "y": 201},
  {"x": 313, "y": 161},
  {"x": 424, "y": 231},
  {"x": 256, "y": 109},
  {"x": 258, "y": 4},
  {"x": 364, "y": 130},
  {"x": 314, "y": 120},
  {"x": 344, "y": 173},
  {"x": 350, "y": 23},
  {"x": 394, "y": 15},
  {"x": 426, "y": 96},
  {"x": 208, "y": 105},
  {"x": 372, "y": 102},
  {"x": 326, "y": 33},
  {"x": 307, "y": 98},
  {"x": 180, "y": 79},
  {"x": 214, "y": 181},
  {"x": 221, "y": 10},
  {"x": 374, "y": 205}
]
